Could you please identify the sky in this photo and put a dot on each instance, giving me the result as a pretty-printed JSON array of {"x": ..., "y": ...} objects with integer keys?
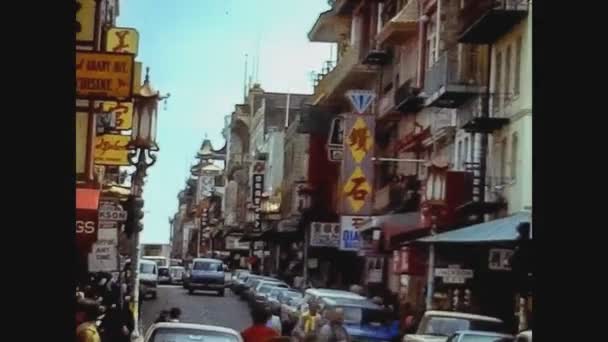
[{"x": 196, "y": 52}]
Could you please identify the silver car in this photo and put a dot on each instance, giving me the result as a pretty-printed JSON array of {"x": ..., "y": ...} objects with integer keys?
[
  {"x": 480, "y": 336},
  {"x": 187, "y": 332}
]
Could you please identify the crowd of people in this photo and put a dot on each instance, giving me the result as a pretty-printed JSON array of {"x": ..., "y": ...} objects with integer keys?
[{"x": 103, "y": 309}]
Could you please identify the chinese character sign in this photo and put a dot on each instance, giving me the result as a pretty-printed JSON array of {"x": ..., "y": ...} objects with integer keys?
[{"x": 357, "y": 167}]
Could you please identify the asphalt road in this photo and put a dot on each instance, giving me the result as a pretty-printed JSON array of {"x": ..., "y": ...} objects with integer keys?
[{"x": 201, "y": 307}]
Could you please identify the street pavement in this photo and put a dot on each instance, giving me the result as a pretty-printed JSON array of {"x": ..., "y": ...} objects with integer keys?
[{"x": 201, "y": 307}]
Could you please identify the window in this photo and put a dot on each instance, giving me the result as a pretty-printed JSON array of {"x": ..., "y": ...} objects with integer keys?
[
  {"x": 207, "y": 266},
  {"x": 518, "y": 53},
  {"x": 430, "y": 40},
  {"x": 514, "y": 154}
]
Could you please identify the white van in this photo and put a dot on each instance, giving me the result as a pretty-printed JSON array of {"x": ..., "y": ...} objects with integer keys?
[{"x": 148, "y": 277}]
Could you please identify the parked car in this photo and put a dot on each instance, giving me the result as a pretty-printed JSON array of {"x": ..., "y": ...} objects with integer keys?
[
  {"x": 479, "y": 336},
  {"x": 250, "y": 285},
  {"x": 238, "y": 279},
  {"x": 363, "y": 319},
  {"x": 148, "y": 277},
  {"x": 438, "y": 326},
  {"x": 256, "y": 295},
  {"x": 177, "y": 274},
  {"x": 207, "y": 274},
  {"x": 317, "y": 294},
  {"x": 164, "y": 277},
  {"x": 524, "y": 336},
  {"x": 161, "y": 332},
  {"x": 290, "y": 301},
  {"x": 273, "y": 297}
]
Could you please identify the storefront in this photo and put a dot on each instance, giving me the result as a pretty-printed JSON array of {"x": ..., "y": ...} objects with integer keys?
[{"x": 473, "y": 272}]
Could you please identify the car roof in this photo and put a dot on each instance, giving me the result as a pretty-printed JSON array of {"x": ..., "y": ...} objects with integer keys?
[
  {"x": 205, "y": 327},
  {"x": 352, "y": 302},
  {"x": 482, "y": 333},
  {"x": 333, "y": 293},
  {"x": 453, "y": 314},
  {"x": 207, "y": 260}
]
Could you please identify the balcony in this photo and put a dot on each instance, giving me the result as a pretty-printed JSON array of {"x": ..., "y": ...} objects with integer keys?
[
  {"x": 342, "y": 6},
  {"x": 349, "y": 73},
  {"x": 400, "y": 27},
  {"x": 407, "y": 98},
  {"x": 443, "y": 124},
  {"x": 449, "y": 82},
  {"x": 484, "y": 21},
  {"x": 471, "y": 115}
]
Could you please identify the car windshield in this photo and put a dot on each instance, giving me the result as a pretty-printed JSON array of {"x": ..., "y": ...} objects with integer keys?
[
  {"x": 163, "y": 272},
  {"x": 147, "y": 268},
  {"x": 207, "y": 266},
  {"x": 190, "y": 335},
  {"x": 446, "y": 326},
  {"x": 481, "y": 338}
]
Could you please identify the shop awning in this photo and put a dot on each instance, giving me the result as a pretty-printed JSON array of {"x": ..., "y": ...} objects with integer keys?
[
  {"x": 500, "y": 230},
  {"x": 87, "y": 199}
]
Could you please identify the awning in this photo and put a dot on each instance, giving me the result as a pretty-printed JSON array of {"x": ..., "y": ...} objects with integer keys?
[
  {"x": 500, "y": 230},
  {"x": 87, "y": 199}
]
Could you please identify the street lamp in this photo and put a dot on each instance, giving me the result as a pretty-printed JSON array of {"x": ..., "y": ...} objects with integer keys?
[{"x": 143, "y": 142}]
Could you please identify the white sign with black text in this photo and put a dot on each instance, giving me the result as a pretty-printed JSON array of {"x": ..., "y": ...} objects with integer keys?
[{"x": 104, "y": 254}]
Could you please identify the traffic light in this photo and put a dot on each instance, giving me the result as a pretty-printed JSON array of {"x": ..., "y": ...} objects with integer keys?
[{"x": 134, "y": 206}]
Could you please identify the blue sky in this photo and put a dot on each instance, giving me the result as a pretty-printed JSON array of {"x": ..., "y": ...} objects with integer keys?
[{"x": 196, "y": 51}]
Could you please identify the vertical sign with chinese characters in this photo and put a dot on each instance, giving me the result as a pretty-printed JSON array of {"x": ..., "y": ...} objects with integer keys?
[
  {"x": 357, "y": 176},
  {"x": 257, "y": 188}
]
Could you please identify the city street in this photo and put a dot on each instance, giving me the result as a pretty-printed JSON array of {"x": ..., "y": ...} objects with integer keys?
[{"x": 202, "y": 307}]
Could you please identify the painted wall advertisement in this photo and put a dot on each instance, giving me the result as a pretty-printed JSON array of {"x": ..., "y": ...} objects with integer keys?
[
  {"x": 349, "y": 233},
  {"x": 324, "y": 234}
]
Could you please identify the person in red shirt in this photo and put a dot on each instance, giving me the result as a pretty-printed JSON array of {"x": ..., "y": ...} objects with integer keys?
[{"x": 259, "y": 332}]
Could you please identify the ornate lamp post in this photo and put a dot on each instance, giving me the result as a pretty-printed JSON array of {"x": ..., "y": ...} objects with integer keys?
[{"x": 141, "y": 146}]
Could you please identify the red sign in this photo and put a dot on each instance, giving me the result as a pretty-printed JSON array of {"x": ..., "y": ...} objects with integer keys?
[
  {"x": 86, "y": 230},
  {"x": 407, "y": 260}
]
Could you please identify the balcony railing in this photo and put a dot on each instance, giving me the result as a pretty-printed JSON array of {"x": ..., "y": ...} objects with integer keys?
[
  {"x": 397, "y": 28},
  {"x": 449, "y": 82},
  {"x": 484, "y": 21},
  {"x": 471, "y": 116},
  {"x": 443, "y": 123},
  {"x": 348, "y": 72}
]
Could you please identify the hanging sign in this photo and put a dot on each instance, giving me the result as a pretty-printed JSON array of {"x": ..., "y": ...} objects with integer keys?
[
  {"x": 82, "y": 122},
  {"x": 349, "y": 232},
  {"x": 111, "y": 149},
  {"x": 104, "y": 75},
  {"x": 360, "y": 99},
  {"x": 122, "y": 113},
  {"x": 454, "y": 274},
  {"x": 324, "y": 234},
  {"x": 357, "y": 167},
  {"x": 85, "y": 21},
  {"x": 122, "y": 39}
]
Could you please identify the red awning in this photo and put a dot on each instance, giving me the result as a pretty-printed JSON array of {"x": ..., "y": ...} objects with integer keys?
[{"x": 87, "y": 198}]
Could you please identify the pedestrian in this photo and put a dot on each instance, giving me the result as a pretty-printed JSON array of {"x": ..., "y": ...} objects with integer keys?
[
  {"x": 118, "y": 324},
  {"x": 408, "y": 322},
  {"x": 162, "y": 317},
  {"x": 174, "y": 315},
  {"x": 309, "y": 322},
  {"x": 275, "y": 321},
  {"x": 259, "y": 332},
  {"x": 333, "y": 330},
  {"x": 87, "y": 330}
]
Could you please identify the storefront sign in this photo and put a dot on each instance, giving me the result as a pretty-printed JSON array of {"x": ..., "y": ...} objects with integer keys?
[
  {"x": 111, "y": 212},
  {"x": 85, "y": 21},
  {"x": 233, "y": 243},
  {"x": 122, "y": 39},
  {"x": 82, "y": 122},
  {"x": 104, "y": 75},
  {"x": 374, "y": 269},
  {"x": 122, "y": 113},
  {"x": 324, "y": 234},
  {"x": 111, "y": 149},
  {"x": 454, "y": 274},
  {"x": 357, "y": 167},
  {"x": 349, "y": 233},
  {"x": 86, "y": 229},
  {"x": 256, "y": 193}
]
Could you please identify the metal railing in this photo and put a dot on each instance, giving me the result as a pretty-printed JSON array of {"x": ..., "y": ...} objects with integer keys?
[
  {"x": 499, "y": 106},
  {"x": 473, "y": 10},
  {"x": 448, "y": 70}
]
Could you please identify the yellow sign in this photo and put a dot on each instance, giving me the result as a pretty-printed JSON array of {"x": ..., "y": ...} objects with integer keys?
[
  {"x": 123, "y": 112},
  {"x": 357, "y": 189},
  {"x": 360, "y": 140},
  {"x": 120, "y": 39},
  {"x": 104, "y": 75},
  {"x": 85, "y": 21},
  {"x": 111, "y": 149},
  {"x": 137, "y": 77},
  {"x": 82, "y": 121}
]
